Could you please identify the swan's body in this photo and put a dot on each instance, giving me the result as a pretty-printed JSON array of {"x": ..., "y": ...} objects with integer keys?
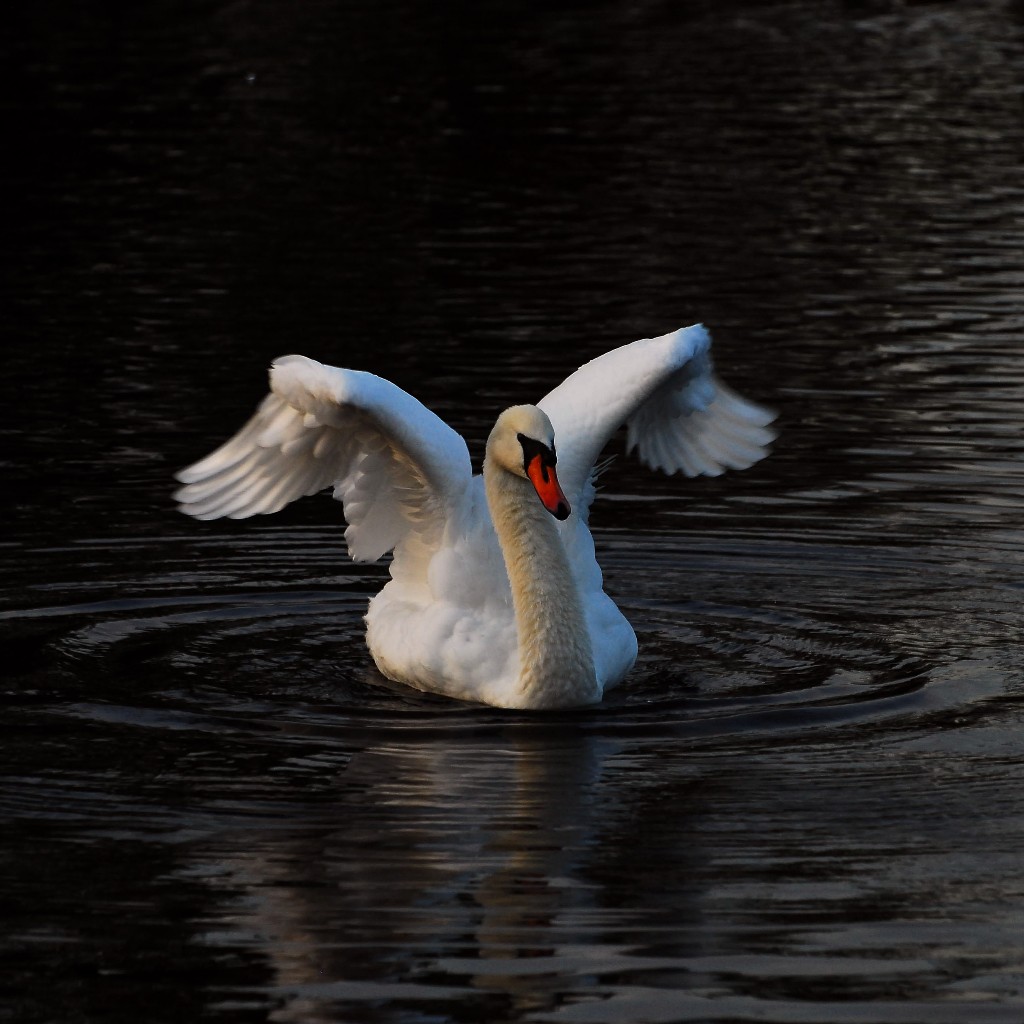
[{"x": 495, "y": 596}]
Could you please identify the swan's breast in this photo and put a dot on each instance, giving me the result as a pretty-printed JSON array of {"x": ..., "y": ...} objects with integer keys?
[
  {"x": 442, "y": 646},
  {"x": 445, "y": 621}
]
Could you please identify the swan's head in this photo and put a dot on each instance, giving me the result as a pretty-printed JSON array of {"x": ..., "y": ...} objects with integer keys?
[{"x": 523, "y": 443}]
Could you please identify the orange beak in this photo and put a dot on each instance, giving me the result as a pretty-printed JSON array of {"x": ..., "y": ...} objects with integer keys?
[{"x": 548, "y": 490}]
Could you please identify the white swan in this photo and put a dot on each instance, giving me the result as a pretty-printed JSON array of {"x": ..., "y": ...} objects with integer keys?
[{"x": 494, "y": 596}]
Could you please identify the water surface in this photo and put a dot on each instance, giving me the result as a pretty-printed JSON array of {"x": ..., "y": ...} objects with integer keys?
[{"x": 805, "y": 803}]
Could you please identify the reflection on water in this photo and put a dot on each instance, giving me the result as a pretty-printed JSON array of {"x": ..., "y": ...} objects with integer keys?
[{"x": 805, "y": 802}]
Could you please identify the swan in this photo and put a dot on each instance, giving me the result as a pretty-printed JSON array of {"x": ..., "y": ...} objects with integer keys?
[{"x": 495, "y": 593}]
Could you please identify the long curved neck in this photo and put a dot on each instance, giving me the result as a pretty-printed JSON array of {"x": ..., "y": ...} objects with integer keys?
[{"x": 555, "y": 657}]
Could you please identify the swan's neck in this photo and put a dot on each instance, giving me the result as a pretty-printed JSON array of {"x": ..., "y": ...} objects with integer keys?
[{"x": 555, "y": 657}]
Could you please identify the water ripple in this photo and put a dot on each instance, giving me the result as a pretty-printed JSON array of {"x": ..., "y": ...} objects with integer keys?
[{"x": 744, "y": 639}]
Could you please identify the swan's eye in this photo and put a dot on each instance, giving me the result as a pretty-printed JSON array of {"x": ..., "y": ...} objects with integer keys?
[{"x": 533, "y": 449}]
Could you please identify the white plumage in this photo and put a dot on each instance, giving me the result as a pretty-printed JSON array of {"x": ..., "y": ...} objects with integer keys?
[{"x": 481, "y": 601}]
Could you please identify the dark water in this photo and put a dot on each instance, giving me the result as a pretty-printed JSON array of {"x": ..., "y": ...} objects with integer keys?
[{"x": 806, "y": 803}]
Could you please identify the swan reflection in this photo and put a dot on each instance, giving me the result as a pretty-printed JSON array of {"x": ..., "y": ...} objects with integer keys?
[{"x": 443, "y": 868}]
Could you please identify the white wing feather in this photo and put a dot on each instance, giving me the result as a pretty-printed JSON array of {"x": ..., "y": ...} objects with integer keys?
[
  {"x": 680, "y": 417},
  {"x": 395, "y": 465}
]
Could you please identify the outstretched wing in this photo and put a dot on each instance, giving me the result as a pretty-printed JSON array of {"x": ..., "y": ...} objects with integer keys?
[
  {"x": 395, "y": 465},
  {"x": 679, "y": 416}
]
